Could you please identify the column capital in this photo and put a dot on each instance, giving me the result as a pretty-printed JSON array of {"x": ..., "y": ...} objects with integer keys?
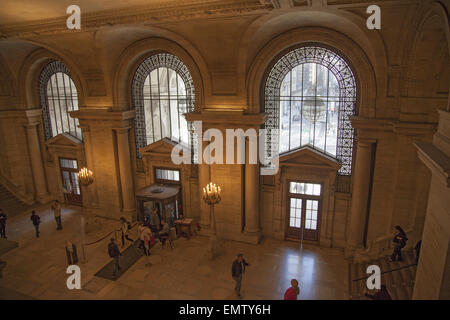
[
  {"x": 365, "y": 142},
  {"x": 31, "y": 125},
  {"x": 122, "y": 130},
  {"x": 85, "y": 127}
]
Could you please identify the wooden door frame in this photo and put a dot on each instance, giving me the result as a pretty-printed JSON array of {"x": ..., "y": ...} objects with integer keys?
[
  {"x": 70, "y": 170},
  {"x": 305, "y": 197}
]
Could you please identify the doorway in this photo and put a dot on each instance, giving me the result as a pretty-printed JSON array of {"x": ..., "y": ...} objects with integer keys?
[
  {"x": 303, "y": 210},
  {"x": 69, "y": 175}
]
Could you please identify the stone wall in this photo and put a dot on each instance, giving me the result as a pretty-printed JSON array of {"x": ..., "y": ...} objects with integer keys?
[{"x": 402, "y": 78}]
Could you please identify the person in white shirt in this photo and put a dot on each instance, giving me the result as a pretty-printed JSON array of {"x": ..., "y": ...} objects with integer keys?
[
  {"x": 56, "y": 207},
  {"x": 145, "y": 237},
  {"x": 125, "y": 228},
  {"x": 164, "y": 231}
]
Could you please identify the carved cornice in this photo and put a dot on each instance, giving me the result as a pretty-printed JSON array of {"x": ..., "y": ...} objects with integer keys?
[
  {"x": 103, "y": 114},
  {"x": 393, "y": 125},
  {"x": 27, "y": 116},
  {"x": 234, "y": 118},
  {"x": 437, "y": 161},
  {"x": 145, "y": 15}
]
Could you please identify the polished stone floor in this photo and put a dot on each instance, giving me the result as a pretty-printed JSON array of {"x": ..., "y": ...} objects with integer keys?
[{"x": 37, "y": 268}]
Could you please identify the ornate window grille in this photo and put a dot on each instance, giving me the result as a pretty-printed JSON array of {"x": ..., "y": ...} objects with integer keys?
[
  {"x": 58, "y": 96},
  {"x": 310, "y": 94},
  {"x": 162, "y": 91}
]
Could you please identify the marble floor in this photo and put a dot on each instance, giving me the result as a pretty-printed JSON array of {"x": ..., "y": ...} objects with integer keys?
[{"x": 37, "y": 268}]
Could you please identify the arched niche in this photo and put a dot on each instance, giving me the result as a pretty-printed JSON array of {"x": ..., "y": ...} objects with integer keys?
[
  {"x": 135, "y": 54},
  {"x": 427, "y": 58},
  {"x": 346, "y": 47},
  {"x": 30, "y": 72}
]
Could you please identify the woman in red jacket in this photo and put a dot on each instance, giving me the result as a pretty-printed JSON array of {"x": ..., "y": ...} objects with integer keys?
[{"x": 293, "y": 291}]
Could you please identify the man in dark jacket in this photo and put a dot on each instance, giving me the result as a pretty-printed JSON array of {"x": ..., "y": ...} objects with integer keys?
[
  {"x": 399, "y": 243},
  {"x": 237, "y": 270},
  {"x": 114, "y": 252},
  {"x": 2, "y": 224},
  {"x": 36, "y": 221}
]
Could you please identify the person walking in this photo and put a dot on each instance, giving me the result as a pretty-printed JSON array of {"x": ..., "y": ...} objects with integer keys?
[
  {"x": 71, "y": 251},
  {"x": 125, "y": 227},
  {"x": 114, "y": 252},
  {"x": 154, "y": 221},
  {"x": 293, "y": 291},
  {"x": 164, "y": 233},
  {"x": 146, "y": 235},
  {"x": 36, "y": 221},
  {"x": 3, "y": 218},
  {"x": 399, "y": 243},
  {"x": 237, "y": 271},
  {"x": 56, "y": 207}
]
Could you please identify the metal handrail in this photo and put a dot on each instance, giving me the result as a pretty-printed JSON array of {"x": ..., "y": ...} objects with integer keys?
[{"x": 388, "y": 271}]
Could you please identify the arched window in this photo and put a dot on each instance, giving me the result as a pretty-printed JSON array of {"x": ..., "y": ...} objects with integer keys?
[
  {"x": 58, "y": 96},
  {"x": 162, "y": 91},
  {"x": 309, "y": 94}
]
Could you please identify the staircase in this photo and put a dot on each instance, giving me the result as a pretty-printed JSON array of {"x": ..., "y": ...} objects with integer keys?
[
  {"x": 399, "y": 283},
  {"x": 10, "y": 204}
]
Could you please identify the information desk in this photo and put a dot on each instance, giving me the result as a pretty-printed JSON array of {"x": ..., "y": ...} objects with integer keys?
[
  {"x": 164, "y": 197},
  {"x": 184, "y": 227}
]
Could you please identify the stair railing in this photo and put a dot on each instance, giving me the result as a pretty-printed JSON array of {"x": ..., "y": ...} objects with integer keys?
[
  {"x": 388, "y": 271},
  {"x": 375, "y": 247}
]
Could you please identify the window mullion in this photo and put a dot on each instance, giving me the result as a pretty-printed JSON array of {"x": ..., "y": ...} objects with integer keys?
[{"x": 168, "y": 101}]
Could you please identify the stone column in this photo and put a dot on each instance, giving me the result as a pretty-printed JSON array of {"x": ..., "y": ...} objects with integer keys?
[
  {"x": 360, "y": 194},
  {"x": 91, "y": 200},
  {"x": 251, "y": 193},
  {"x": 203, "y": 180},
  {"x": 37, "y": 166},
  {"x": 251, "y": 198},
  {"x": 126, "y": 174}
]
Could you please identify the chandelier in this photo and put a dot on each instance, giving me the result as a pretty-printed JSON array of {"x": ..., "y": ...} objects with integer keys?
[
  {"x": 212, "y": 194},
  {"x": 85, "y": 176}
]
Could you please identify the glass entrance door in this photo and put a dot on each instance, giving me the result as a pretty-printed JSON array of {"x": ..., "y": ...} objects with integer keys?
[
  {"x": 71, "y": 187},
  {"x": 303, "y": 211}
]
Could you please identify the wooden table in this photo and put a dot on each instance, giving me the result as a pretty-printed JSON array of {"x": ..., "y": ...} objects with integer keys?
[{"x": 184, "y": 225}]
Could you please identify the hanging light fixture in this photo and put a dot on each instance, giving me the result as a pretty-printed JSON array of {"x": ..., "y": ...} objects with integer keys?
[
  {"x": 85, "y": 176},
  {"x": 314, "y": 110},
  {"x": 212, "y": 194}
]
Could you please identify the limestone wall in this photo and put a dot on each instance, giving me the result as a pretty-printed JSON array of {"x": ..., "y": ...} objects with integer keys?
[{"x": 401, "y": 72}]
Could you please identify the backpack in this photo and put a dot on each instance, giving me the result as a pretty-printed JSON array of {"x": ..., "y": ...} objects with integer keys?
[{"x": 402, "y": 240}]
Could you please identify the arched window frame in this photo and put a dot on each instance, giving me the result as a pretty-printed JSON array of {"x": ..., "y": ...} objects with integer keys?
[
  {"x": 314, "y": 53},
  {"x": 159, "y": 60},
  {"x": 47, "y": 72}
]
